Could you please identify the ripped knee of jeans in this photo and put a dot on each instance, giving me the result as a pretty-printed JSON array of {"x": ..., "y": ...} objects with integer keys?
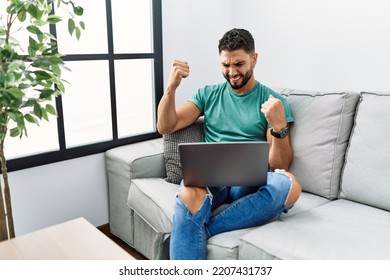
[{"x": 194, "y": 198}]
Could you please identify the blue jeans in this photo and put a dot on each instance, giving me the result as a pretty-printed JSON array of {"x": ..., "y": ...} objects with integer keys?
[{"x": 246, "y": 207}]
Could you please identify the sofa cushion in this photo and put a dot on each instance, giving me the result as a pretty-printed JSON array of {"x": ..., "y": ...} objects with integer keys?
[
  {"x": 152, "y": 200},
  {"x": 365, "y": 178},
  {"x": 340, "y": 229},
  {"x": 305, "y": 202},
  {"x": 319, "y": 138},
  {"x": 138, "y": 160},
  {"x": 193, "y": 133},
  {"x": 225, "y": 246}
]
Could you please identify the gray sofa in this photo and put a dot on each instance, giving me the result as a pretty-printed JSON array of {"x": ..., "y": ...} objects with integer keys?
[{"x": 341, "y": 156}]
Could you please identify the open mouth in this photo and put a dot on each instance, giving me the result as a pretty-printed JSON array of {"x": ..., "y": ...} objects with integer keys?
[{"x": 235, "y": 79}]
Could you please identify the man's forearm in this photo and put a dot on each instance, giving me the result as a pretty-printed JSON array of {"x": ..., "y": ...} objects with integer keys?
[
  {"x": 166, "y": 113},
  {"x": 281, "y": 154}
]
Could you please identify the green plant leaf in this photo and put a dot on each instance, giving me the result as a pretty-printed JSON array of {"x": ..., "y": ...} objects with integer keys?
[
  {"x": 18, "y": 76},
  {"x": 40, "y": 22},
  {"x": 78, "y": 33},
  {"x": 60, "y": 87},
  {"x": 33, "y": 11},
  {"x": 33, "y": 44},
  {"x": 37, "y": 110},
  {"x": 3, "y": 120},
  {"x": 31, "y": 119},
  {"x": 42, "y": 75},
  {"x": 78, "y": 10},
  {"x": 14, "y": 132},
  {"x": 71, "y": 26},
  {"x": 9, "y": 79},
  {"x": 53, "y": 19},
  {"x": 56, "y": 70},
  {"x": 13, "y": 116},
  {"x": 46, "y": 94},
  {"x": 24, "y": 86},
  {"x": 30, "y": 102},
  {"x": 31, "y": 52},
  {"x": 33, "y": 29},
  {"x": 51, "y": 110},
  {"x": 47, "y": 60},
  {"x": 41, "y": 37},
  {"x": 13, "y": 65},
  {"x": 22, "y": 15},
  {"x": 50, "y": 36},
  {"x": 44, "y": 114},
  {"x": 16, "y": 92}
]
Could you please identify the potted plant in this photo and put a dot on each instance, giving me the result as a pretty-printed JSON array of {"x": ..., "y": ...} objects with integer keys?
[{"x": 30, "y": 76}]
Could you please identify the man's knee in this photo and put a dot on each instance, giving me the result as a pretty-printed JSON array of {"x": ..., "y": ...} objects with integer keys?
[
  {"x": 295, "y": 190},
  {"x": 193, "y": 197}
]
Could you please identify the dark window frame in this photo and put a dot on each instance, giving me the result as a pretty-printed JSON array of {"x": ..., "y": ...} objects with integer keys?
[{"x": 81, "y": 151}]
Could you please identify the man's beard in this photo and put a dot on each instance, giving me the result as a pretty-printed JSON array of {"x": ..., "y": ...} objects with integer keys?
[{"x": 245, "y": 79}]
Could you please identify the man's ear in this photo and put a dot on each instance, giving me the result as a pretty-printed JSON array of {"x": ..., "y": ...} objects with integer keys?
[{"x": 254, "y": 58}]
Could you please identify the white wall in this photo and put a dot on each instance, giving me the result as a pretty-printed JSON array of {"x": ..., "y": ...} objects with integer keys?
[
  {"x": 303, "y": 44},
  {"x": 191, "y": 31},
  {"x": 54, "y": 193},
  {"x": 320, "y": 45}
]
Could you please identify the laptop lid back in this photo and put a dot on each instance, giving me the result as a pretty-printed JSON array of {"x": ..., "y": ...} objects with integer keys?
[{"x": 224, "y": 163}]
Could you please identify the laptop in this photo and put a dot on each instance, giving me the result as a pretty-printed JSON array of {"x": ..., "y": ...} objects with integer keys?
[{"x": 224, "y": 163}]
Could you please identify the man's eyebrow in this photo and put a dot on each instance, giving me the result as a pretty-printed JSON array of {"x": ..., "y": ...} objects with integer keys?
[{"x": 236, "y": 63}]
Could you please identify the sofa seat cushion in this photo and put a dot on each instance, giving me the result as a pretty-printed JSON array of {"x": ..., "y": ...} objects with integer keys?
[
  {"x": 156, "y": 209},
  {"x": 226, "y": 245},
  {"x": 153, "y": 199},
  {"x": 319, "y": 137},
  {"x": 340, "y": 229},
  {"x": 365, "y": 178},
  {"x": 305, "y": 202}
]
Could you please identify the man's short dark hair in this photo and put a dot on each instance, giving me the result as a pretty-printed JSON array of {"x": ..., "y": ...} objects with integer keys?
[{"x": 237, "y": 39}]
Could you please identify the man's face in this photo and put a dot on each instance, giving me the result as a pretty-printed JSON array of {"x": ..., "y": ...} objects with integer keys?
[{"x": 237, "y": 68}]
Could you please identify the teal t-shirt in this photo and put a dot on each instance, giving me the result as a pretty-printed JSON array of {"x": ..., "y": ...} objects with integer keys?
[{"x": 231, "y": 117}]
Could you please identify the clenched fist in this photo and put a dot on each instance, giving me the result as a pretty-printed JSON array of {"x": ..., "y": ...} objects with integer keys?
[
  {"x": 179, "y": 70},
  {"x": 274, "y": 113}
]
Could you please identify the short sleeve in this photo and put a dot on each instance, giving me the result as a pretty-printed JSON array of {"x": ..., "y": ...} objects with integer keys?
[{"x": 199, "y": 99}]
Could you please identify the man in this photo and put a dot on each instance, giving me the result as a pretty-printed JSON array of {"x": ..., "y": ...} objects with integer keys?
[{"x": 241, "y": 109}]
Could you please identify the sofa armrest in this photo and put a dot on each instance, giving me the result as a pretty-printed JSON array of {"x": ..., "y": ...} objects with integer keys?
[
  {"x": 123, "y": 164},
  {"x": 138, "y": 160}
]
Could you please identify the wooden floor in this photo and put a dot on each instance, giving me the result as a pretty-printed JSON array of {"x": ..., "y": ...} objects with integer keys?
[{"x": 106, "y": 230}]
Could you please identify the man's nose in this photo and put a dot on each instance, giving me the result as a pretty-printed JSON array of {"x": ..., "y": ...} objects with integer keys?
[{"x": 232, "y": 71}]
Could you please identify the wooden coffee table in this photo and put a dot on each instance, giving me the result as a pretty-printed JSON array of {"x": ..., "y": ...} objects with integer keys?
[{"x": 73, "y": 240}]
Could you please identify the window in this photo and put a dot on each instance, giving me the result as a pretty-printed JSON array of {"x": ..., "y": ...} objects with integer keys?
[{"x": 113, "y": 86}]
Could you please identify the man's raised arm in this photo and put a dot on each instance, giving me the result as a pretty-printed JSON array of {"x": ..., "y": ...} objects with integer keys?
[{"x": 170, "y": 118}]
